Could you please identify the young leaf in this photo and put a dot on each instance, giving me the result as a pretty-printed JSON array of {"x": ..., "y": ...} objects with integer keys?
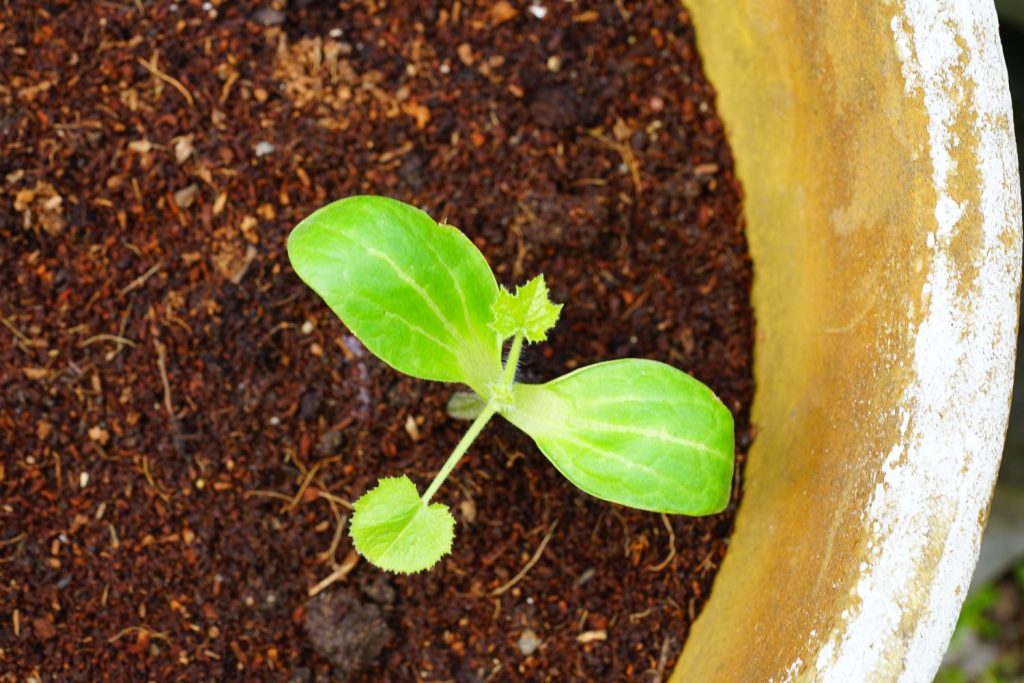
[
  {"x": 395, "y": 530},
  {"x": 529, "y": 311},
  {"x": 417, "y": 294},
  {"x": 465, "y": 405},
  {"x": 635, "y": 432}
]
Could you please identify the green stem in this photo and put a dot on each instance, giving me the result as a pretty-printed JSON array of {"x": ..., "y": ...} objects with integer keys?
[
  {"x": 490, "y": 408},
  {"x": 460, "y": 450},
  {"x": 513, "y": 360}
]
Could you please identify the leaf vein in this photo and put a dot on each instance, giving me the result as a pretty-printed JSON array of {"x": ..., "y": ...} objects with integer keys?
[
  {"x": 405, "y": 528},
  {"x": 559, "y": 434},
  {"x": 615, "y": 400},
  {"x": 423, "y": 332},
  {"x": 404, "y": 277},
  {"x": 466, "y": 317},
  {"x": 656, "y": 434}
]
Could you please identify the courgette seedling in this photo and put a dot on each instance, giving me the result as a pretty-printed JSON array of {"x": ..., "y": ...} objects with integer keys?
[{"x": 421, "y": 297}]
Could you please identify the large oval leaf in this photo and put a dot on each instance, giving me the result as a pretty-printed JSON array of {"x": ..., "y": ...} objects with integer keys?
[
  {"x": 394, "y": 529},
  {"x": 416, "y": 293},
  {"x": 635, "y": 432}
]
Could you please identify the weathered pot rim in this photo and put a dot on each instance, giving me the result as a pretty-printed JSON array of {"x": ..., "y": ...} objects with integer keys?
[{"x": 890, "y": 585}]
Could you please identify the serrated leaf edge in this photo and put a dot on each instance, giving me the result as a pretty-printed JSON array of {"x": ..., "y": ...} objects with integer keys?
[{"x": 355, "y": 543}]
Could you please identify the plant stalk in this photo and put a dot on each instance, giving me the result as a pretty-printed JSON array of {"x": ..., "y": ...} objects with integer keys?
[
  {"x": 490, "y": 408},
  {"x": 509, "y": 375},
  {"x": 460, "y": 449}
]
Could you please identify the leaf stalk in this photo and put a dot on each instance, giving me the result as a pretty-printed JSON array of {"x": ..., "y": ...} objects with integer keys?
[
  {"x": 509, "y": 375},
  {"x": 460, "y": 449}
]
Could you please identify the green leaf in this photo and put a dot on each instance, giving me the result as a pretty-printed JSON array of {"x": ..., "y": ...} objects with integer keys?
[
  {"x": 416, "y": 293},
  {"x": 465, "y": 405},
  {"x": 395, "y": 530},
  {"x": 529, "y": 311},
  {"x": 635, "y": 432}
]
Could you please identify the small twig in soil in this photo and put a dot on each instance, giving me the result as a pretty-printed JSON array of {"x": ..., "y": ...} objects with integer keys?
[
  {"x": 637, "y": 617},
  {"x": 150, "y": 633},
  {"x": 592, "y": 636},
  {"x": 9, "y": 541},
  {"x": 275, "y": 329},
  {"x": 302, "y": 489},
  {"x": 120, "y": 333},
  {"x": 106, "y": 337},
  {"x": 179, "y": 322},
  {"x": 141, "y": 280},
  {"x": 666, "y": 646},
  {"x": 98, "y": 294},
  {"x": 174, "y": 82},
  {"x": 132, "y": 248},
  {"x": 521, "y": 248},
  {"x": 529, "y": 565},
  {"x": 671, "y": 546},
  {"x": 340, "y": 570},
  {"x": 15, "y": 331},
  {"x": 707, "y": 564},
  {"x": 152, "y": 482},
  {"x": 625, "y": 532},
  {"x": 623, "y": 12},
  {"x": 343, "y": 570},
  {"x": 161, "y": 361},
  {"x": 628, "y": 158},
  {"x": 637, "y": 303},
  {"x": 331, "y": 498},
  {"x": 100, "y": 451},
  {"x": 339, "y": 529},
  {"x": 268, "y": 494}
]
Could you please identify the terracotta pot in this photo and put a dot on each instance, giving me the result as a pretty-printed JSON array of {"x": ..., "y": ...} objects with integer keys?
[{"x": 875, "y": 144}]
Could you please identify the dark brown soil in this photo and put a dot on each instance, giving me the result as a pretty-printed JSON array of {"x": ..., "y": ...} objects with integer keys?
[{"x": 182, "y": 421}]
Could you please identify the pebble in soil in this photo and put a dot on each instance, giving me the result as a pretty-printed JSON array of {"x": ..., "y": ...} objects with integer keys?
[{"x": 350, "y": 633}]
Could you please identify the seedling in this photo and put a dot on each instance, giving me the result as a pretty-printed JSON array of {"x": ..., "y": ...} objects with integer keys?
[{"x": 421, "y": 297}]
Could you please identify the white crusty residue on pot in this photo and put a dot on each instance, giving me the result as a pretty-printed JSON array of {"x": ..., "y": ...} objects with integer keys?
[{"x": 936, "y": 481}]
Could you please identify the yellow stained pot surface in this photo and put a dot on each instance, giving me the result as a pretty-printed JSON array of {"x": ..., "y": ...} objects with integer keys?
[{"x": 875, "y": 145}]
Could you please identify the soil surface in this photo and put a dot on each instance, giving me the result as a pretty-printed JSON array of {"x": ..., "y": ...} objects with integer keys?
[{"x": 182, "y": 422}]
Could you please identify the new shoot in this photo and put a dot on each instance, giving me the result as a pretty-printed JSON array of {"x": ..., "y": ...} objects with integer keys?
[{"x": 421, "y": 297}]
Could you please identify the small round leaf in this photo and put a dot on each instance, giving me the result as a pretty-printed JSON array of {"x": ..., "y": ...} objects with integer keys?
[{"x": 396, "y": 531}]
